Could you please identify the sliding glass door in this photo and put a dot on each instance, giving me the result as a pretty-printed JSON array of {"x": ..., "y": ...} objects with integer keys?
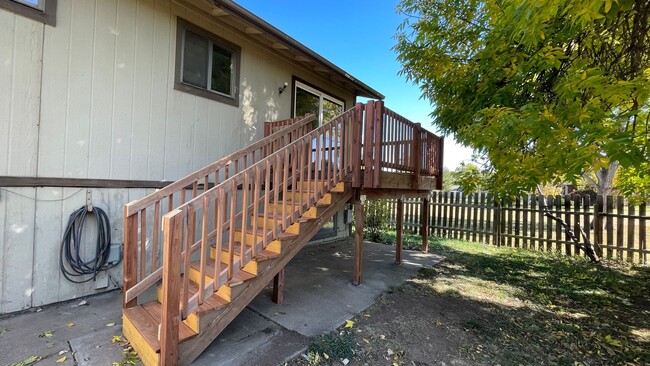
[{"x": 325, "y": 108}]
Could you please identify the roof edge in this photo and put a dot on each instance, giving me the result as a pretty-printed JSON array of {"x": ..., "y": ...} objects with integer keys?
[{"x": 237, "y": 10}]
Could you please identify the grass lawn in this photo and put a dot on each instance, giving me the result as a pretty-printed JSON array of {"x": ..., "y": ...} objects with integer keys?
[{"x": 489, "y": 305}]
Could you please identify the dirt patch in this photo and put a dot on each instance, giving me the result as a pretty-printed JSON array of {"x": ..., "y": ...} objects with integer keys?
[
  {"x": 408, "y": 326},
  {"x": 496, "y": 306}
]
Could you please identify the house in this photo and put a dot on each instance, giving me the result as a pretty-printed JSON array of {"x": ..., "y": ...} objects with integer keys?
[{"x": 104, "y": 103}]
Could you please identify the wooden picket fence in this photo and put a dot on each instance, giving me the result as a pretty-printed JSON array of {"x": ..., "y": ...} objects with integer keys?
[{"x": 618, "y": 230}]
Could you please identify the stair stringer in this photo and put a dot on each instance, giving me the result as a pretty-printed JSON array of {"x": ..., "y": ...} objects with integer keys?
[{"x": 191, "y": 349}]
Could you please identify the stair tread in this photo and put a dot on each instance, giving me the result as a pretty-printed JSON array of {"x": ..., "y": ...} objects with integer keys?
[
  {"x": 264, "y": 254},
  {"x": 271, "y": 216},
  {"x": 209, "y": 268},
  {"x": 318, "y": 204},
  {"x": 147, "y": 317},
  {"x": 241, "y": 277}
]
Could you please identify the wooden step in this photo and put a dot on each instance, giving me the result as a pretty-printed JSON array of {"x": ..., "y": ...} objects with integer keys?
[
  {"x": 236, "y": 285},
  {"x": 250, "y": 237},
  {"x": 141, "y": 325},
  {"x": 195, "y": 271},
  {"x": 312, "y": 213},
  {"x": 302, "y": 185},
  {"x": 294, "y": 196},
  {"x": 276, "y": 220},
  {"x": 212, "y": 306},
  {"x": 253, "y": 264}
]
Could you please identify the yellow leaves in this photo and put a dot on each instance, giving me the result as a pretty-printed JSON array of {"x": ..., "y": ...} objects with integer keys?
[
  {"x": 47, "y": 334},
  {"x": 62, "y": 359},
  {"x": 110, "y": 324},
  {"x": 117, "y": 338},
  {"x": 70, "y": 325},
  {"x": 584, "y": 75},
  {"x": 349, "y": 323}
]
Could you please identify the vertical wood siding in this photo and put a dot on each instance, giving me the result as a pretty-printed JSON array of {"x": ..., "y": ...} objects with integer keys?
[{"x": 93, "y": 97}]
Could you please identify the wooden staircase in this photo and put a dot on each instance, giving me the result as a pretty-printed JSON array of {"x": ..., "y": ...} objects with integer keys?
[
  {"x": 203, "y": 324},
  {"x": 207, "y": 244}
]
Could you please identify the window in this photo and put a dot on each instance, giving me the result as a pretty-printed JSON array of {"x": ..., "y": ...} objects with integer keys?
[
  {"x": 308, "y": 99},
  {"x": 41, "y": 10},
  {"x": 206, "y": 65}
]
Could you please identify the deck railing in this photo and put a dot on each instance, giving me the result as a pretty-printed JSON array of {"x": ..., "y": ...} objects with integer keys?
[
  {"x": 397, "y": 144},
  {"x": 142, "y": 218}
]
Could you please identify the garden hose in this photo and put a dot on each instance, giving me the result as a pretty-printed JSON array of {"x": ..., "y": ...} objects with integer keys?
[{"x": 70, "y": 261}]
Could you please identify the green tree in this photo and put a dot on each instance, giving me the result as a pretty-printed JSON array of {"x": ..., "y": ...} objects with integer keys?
[
  {"x": 546, "y": 91},
  {"x": 471, "y": 178}
]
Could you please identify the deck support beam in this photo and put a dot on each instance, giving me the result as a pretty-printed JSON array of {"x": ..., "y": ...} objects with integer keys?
[
  {"x": 399, "y": 226},
  {"x": 278, "y": 287},
  {"x": 425, "y": 225},
  {"x": 358, "y": 239}
]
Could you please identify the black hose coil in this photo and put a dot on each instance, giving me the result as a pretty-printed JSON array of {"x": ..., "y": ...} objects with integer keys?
[{"x": 71, "y": 244}]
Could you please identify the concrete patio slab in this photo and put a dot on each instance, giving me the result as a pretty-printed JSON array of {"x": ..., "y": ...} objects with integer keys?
[{"x": 319, "y": 297}]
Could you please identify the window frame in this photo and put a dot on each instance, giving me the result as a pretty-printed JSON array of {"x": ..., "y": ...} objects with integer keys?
[
  {"x": 183, "y": 26},
  {"x": 316, "y": 91},
  {"x": 45, "y": 12}
]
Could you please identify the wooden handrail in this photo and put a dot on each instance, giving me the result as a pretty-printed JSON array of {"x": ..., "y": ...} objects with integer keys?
[
  {"x": 142, "y": 271},
  {"x": 285, "y": 167}
]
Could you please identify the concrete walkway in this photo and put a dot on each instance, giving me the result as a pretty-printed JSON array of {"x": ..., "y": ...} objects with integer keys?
[{"x": 319, "y": 297}]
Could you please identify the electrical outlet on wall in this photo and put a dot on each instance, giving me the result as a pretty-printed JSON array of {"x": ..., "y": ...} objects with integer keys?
[{"x": 115, "y": 253}]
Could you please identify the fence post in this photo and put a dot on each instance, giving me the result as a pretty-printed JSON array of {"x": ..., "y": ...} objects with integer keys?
[
  {"x": 497, "y": 224},
  {"x": 169, "y": 326},
  {"x": 598, "y": 224},
  {"x": 424, "y": 212}
]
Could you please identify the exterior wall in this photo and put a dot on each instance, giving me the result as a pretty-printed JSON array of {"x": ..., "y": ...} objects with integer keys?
[{"x": 93, "y": 98}]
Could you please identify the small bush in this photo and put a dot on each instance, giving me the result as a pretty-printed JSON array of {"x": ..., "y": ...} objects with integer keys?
[{"x": 377, "y": 216}]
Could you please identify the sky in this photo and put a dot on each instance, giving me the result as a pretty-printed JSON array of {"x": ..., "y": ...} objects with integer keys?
[{"x": 357, "y": 36}]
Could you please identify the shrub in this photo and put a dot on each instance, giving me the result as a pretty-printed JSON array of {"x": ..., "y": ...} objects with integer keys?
[{"x": 377, "y": 216}]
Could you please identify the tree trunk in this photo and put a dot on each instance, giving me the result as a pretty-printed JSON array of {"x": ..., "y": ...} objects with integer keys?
[{"x": 604, "y": 183}]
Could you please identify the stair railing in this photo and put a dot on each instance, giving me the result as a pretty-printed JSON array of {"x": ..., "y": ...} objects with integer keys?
[
  {"x": 142, "y": 218},
  {"x": 231, "y": 211}
]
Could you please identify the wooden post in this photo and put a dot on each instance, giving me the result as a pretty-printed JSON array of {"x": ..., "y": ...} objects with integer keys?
[
  {"x": 379, "y": 119},
  {"x": 357, "y": 127},
  {"x": 358, "y": 240},
  {"x": 497, "y": 225},
  {"x": 425, "y": 225},
  {"x": 278, "y": 287},
  {"x": 441, "y": 148},
  {"x": 130, "y": 256},
  {"x": 417, "y": 155},
  {"x": 171, "y": 281},
  {"x": 368, "y": 145},
  {"x": 398, "y": 240}
]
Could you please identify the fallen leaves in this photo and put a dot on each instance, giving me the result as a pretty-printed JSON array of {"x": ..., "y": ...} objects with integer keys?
[
  {"x": 27, "y": 361},
  {"x": 349, "y": 323},
  {"x": 62, "y": 359},
  {"x": 47, "y": 334}
]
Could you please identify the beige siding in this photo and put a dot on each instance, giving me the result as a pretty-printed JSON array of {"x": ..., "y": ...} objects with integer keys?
[
  {"x": 21, "y": 43},
  {"x": 93, "y": 97}
]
